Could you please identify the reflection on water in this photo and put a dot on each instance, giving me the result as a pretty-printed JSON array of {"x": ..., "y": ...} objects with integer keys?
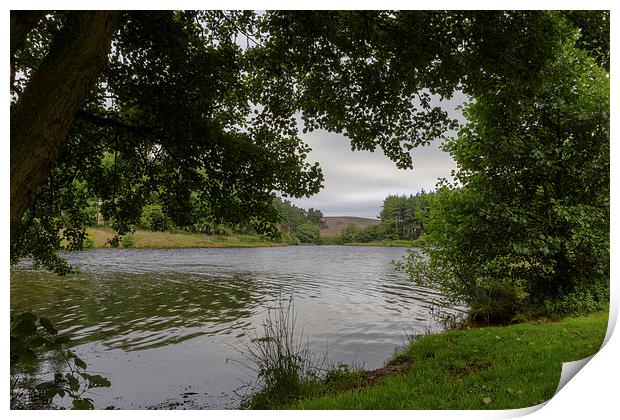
[
  {"x": 138, "y": 311},
  {"x": 162, "y": 324}
]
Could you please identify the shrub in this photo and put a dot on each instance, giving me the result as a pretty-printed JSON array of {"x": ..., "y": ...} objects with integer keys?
[
  {"x": 497, "y": 302},
  {"x": 584, "y": 299},
  {"x": 32, "y": 336},
  {"x": 127, "y": 241},
  {"x": 89, "y": 243},
  {"x": 308, "y": 233},
  {"x": 368, "y": 234},
  {"x": 530, "y": 199},
  {"x": 153, "y": 218},
  {"x": 348, "y": 234},
  {"x": 223, "y": 230}
]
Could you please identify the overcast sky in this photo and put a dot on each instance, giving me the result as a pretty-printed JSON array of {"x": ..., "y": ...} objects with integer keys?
[{"x": 357, "y": 182}]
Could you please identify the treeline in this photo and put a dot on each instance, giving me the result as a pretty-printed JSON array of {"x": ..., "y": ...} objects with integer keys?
[
  {"x": 296, "y": 225},
  {"x": 402, "y": 219}
]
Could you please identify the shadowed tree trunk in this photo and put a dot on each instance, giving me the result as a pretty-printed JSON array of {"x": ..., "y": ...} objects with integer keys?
[
  {"x": 41, "y": 118},
  {"x": 22, "y": 22}
]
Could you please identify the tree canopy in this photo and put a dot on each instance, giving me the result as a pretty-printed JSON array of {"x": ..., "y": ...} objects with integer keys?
[
  {"x": 200, "y": 107},
  {"x": 527, "y": 223}
]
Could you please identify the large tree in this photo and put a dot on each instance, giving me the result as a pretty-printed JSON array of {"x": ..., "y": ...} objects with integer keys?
[
  {"x": 526, "y": 227},
  {"x": 200, "y": 108}
]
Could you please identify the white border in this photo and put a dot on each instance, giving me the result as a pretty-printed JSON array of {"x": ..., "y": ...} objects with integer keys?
[{"x": 591, "y": 394}]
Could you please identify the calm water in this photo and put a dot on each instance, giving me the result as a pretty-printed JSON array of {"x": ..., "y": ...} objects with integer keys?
[{"x": 162, "y": 324}]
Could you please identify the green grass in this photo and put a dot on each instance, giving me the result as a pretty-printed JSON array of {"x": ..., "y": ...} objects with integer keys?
[
  {"x": 148, "y": 239},
  {"x": 480, "y": 368}
]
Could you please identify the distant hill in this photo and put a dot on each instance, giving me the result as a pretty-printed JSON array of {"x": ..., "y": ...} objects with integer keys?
[{"x": 333, "y": 225}]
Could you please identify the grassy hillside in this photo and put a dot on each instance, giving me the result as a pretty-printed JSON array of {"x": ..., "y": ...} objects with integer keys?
[
  {"x": 334, "y": 224},
  {"x": 148, "y": 239}
]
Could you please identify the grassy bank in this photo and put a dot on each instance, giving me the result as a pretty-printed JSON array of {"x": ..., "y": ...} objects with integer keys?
[
  {"x": 99, "y": 236},
  {"x": 479, "y": 368},
  {"x": 386, "y": 242},
  {"x": 329, "y": 240},
  {"x": 147, "y": 239}
]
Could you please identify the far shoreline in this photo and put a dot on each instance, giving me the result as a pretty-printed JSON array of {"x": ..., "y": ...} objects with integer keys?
[{"x": 144, "y": 239}]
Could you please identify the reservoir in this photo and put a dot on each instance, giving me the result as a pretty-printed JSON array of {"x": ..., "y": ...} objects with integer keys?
[{"x": 165, "y": 325}]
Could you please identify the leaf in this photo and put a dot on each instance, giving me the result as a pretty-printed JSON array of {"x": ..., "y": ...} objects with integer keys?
[
  {"x": 52, "y": 345},
  {"x": 98, "y": 381},
  {"x": 25, "y": 324},
  {"x": 38, "y": 341},
  {"x": 486, "y": 400},
  {"x": 27, "y": 357},
  {"x": 74, "y": 383},
  {"x": 47, "y": 326},
  {"x": 80, "y": 363},
  {"x": 83, "y": 404},
  {"x": 50, "y": 389}
]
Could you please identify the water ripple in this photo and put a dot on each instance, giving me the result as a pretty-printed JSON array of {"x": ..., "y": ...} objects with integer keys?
[{"x": 174, "y": 316}]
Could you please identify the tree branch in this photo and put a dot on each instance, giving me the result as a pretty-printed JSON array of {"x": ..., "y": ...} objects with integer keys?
[{"x": 107, "y": 122}]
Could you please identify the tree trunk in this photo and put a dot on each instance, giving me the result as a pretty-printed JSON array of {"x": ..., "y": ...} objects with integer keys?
[
  {"x": 41, "y": 118},
  {"x": 22, "y": 22}
]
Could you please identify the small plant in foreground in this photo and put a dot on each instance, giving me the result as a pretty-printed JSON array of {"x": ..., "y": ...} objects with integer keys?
[
  {"x": 32, "y": 336},
  {"x": 285, "y": 369},
  {"x": 280, "y": 360}
]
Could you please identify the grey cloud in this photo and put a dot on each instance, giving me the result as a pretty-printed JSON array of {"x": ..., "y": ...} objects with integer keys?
[{"x": 356, "y": 182}]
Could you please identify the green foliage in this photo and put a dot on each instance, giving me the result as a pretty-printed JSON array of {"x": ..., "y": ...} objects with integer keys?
[
  {"x": 529, "y": 221},
  {"x": 298, "y": 225},
  {"x": 223, "y": 229},
  {"x": 127, "y": 241},
  {"x": 507, "y": 367},
  {"x": 402, "y": 220},
  {"x": 583, "y": 300},
  {"x": 496, "y": 302},
  {"x": 368, "y": 234},
  {"x": 180, "y": 133},
  {"x": 403, "y": 217},
  {"x": 349, "y": 233},
  {"x": 315, "y": 217},
  {"x": 31, "y": 337},
  {"x": 308, "y": 233},
  {"x": 282, "y": 363},
  {"x": 153, "y": 218},
  {"x": 184, "y": 117}
]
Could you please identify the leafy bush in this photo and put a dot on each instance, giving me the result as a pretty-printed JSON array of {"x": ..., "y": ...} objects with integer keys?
[
  {"x": 368, "y": 234},
  {"x": 223, "y": 230},
  {"x": 349, "y": 233},
  {"x": 89, "y": 243},
  {"x": 527, "y": 217},
  {"x": 32, "y": 336},
  {"x": 583, "y": 300},
  {"x": 497, "y": 302},
  {"x": 292, "y": 239},
  {"x": 127, "y": 241},
  {"x": 308, "y": 233},
  {"x": 153, "y": 218}
]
